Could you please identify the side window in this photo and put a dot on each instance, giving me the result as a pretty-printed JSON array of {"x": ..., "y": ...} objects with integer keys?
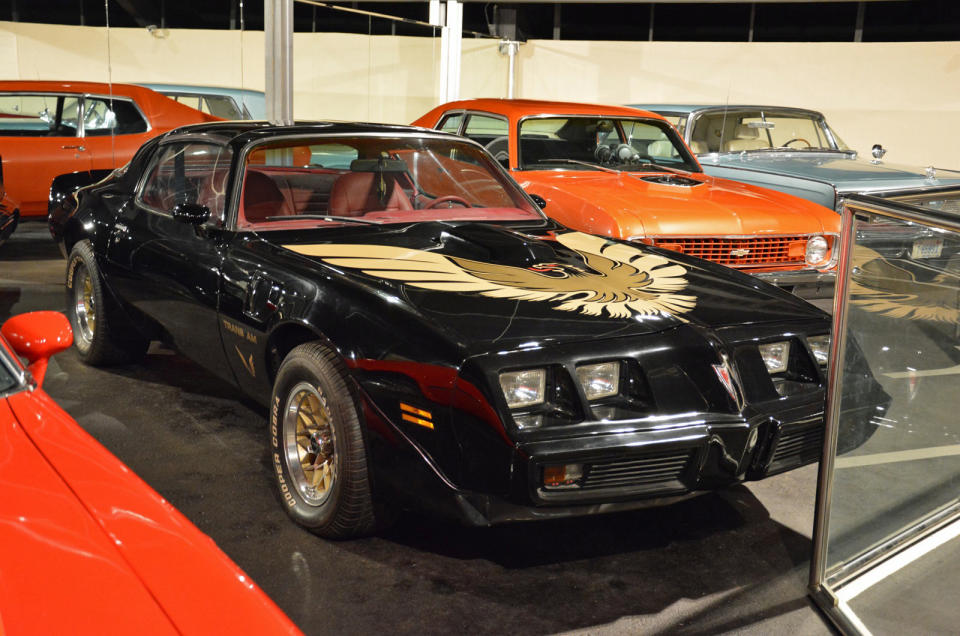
[
  {"x": 451, "y": 123},
  {"x": 188, "y": 173},
  {"x": 492, "y": 133},
  {"x": 111, "y": 116},
  {"x": 484, "y": 128},
  {"x": 38, "y": 115},
  {"x": 679, "y": 122},
  {"x": 221, "y": 106}
]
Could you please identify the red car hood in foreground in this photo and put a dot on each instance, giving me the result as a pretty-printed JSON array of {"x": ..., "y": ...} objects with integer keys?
[{"x": 86, "y": 547}]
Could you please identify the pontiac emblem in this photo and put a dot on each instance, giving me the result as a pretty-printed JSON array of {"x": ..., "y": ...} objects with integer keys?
[
  {"x": 723, "y": 372},
  {"x": 740, "y": 251}
]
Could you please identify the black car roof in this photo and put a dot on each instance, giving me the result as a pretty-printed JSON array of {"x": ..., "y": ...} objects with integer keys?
[{"x": 240, "y": 133}]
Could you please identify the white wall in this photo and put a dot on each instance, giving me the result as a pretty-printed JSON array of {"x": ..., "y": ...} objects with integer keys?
[{"x": 903, "y": 95}]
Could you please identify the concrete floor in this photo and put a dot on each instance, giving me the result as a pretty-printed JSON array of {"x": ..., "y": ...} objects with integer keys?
[{"x": 731, "y": 562}]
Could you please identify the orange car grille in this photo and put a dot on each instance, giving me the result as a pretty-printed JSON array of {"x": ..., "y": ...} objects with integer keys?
[{"x": 741, "y": 252}]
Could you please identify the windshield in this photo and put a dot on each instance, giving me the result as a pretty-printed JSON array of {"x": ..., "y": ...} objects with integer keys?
[
  {"x": 760, "y": 130},
  {"x": 365, "y": 179},
  {"x": 593, "y": 143},
  {"x": 9, "y": 368}
]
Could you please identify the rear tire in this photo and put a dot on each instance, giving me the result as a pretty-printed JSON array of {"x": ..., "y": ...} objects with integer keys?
[
  {"x": 317, "y": 446},
  {"x": 99, "y": 332}
]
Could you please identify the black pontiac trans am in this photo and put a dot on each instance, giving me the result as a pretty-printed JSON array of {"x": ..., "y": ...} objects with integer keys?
[{"x": 423, "y": 335}]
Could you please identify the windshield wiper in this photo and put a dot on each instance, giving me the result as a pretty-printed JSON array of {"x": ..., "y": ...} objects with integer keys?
[
  {"x": 793, "y": 149},
  {"x": 595, "y": 166},
  {"x": 322, "y": 217},
  {"x": 657, "y": 166}
]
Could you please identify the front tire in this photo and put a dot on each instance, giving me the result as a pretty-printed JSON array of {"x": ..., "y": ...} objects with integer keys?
[
  {"x": 96, "y": 321},
  {"x": 317, "y": 445}
]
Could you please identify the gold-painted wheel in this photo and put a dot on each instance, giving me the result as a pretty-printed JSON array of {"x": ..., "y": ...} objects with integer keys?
[
  {"x": 85, "y": 304},
  {"x": 310, "y": 443},
  {"x": 318, "y": 447}
]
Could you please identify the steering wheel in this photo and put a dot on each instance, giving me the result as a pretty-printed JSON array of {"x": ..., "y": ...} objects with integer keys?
[
  {"x": 449, "y": 198},
  {"x": 787, "y": 144}
]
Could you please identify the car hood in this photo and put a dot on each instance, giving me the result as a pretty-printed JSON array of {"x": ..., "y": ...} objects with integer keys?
[
  {"x": 121, "y": 552},
  {"x": 844, "y": 172},
  {"x": 489, "y": 287},
  {"x": 695, "y": 204}
]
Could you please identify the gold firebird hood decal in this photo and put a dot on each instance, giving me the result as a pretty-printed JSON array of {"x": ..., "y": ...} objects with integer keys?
[{"x": 619, "y": 279}]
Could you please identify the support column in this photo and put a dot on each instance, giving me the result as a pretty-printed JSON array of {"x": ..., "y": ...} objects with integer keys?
[
  {"x": 449, "y": 16},
  {"x": 278, "y": 48},
  {"x": 510, "y": 48}
]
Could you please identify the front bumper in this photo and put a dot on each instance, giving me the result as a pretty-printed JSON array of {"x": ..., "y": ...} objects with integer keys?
[
  {"x": 646, "y": 468},
  {"x": 805, "y": 283}
]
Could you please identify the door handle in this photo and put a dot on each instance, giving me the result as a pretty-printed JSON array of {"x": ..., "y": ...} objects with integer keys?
[
  {"x": 80, "y": 148},
  {"x": 262, "y": 298}
]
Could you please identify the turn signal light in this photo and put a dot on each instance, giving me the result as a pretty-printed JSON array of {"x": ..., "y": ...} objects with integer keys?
[{"x": 562, "y": 476}]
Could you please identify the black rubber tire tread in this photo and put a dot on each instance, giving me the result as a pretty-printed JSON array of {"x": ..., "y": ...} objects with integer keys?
[
  {"x": 349, "y": 511},
  {"x": 106, "y": 346}
]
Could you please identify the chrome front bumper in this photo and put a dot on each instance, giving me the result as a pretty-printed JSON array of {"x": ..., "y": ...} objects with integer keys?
[{"x": 808, "y": 284}]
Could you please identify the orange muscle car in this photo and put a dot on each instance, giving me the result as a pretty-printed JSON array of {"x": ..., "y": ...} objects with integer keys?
[
  {"x": 627, "y": 174},
  {"x": 49, "y": 129}
]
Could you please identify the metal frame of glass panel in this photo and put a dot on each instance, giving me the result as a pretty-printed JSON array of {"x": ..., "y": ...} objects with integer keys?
[{"x": 826, "y": 581}]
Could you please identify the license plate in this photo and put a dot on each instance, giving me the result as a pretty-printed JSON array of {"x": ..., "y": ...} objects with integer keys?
[{"x": 927, "y": 248}]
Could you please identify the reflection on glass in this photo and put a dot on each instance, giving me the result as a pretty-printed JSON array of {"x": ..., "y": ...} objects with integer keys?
[{"x": 899, "y": 480}]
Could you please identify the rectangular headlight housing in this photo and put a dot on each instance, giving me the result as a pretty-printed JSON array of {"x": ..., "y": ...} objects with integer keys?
[
  {"x": 524, "y": 388},
  {"x": 599, "y": 380},
  {"x": 820, "y": 346},
  {"x": 776, "y": 356}
]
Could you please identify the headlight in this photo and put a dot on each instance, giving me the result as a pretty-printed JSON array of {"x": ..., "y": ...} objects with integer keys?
[
  {"x": 776, "y": 355},
  {"x": 817, "y": 249},
  {"x": 599, "y": 380},
  {"x": 820, "y": 345},
  {"x": 524, "y": 388}
]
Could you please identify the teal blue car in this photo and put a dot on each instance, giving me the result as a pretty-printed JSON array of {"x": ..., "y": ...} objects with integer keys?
[
  {"x": 793, "y": 150},
  {"x": 219, "y": 101}
]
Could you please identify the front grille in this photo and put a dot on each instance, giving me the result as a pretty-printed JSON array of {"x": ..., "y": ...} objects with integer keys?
[
  {"x": 657, "y": 472},
  {"x": 797, "y": 447},
  {"x": 740, "y": 252}
]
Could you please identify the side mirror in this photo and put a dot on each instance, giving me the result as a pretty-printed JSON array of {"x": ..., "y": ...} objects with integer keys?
[
  {"x": 37, "y": 336},
  {"x": 878, "y": 151},
  {"x": 191, "y": 213},
  {"x": 539, "y": 200}
]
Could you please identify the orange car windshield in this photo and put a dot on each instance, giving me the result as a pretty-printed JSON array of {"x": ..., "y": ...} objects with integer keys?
[
  {"x": 364, "y": 179},
  {"x": 601, "y": 143}
]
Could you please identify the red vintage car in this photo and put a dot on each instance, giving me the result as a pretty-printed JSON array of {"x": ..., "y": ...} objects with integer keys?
[
  {"x": 86, "y": 547},
  {"x": 49, "y": 129},
  {"x": 627, "y": 174}
]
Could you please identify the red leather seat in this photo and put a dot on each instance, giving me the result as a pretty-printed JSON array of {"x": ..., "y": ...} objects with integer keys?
[
  {"x": 262, "y": 198},
  {"x": 355, "y": 194}
]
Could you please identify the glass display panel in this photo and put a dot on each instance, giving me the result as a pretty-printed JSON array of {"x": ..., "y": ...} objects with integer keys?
[
  {"x": 892, "y": 542},
  {"x": 904, "y": 315}
]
